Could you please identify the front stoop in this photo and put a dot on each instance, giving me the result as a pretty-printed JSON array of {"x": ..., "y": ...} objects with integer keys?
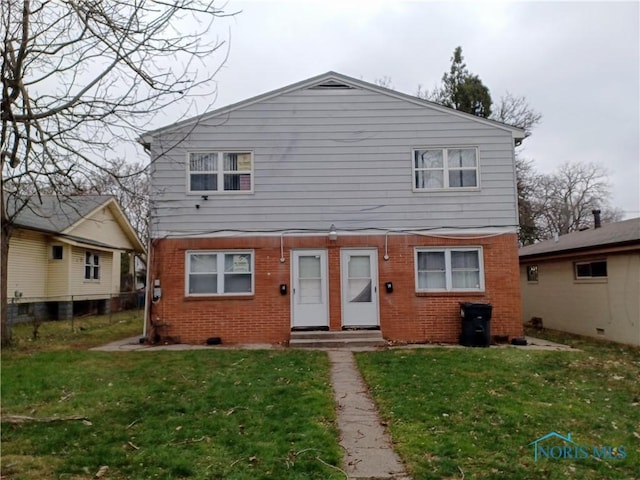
[{"x": 347, "y": 338}]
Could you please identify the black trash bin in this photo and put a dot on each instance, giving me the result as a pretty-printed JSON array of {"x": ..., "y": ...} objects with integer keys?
[{"x": 476, "y": 324}]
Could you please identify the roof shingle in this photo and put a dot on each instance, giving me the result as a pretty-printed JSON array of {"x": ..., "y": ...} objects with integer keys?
[
  {"x": 56, "y": 214},
  {"x": 608, "y": 235}
]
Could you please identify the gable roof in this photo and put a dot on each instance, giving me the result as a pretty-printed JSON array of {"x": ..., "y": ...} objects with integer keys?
[
  {"x": 58, "y": 215},
  {"x": 622, "y": 233},
  {"x": 328, "y": 81}
]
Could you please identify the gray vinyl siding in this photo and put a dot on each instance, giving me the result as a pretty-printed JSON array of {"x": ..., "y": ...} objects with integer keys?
[{"x": 325, "y": 157}]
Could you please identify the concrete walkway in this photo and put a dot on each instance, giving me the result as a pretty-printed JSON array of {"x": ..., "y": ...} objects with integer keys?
[
  {"x": 368, "y": 452},
  {"x": 133, "y": 344}
]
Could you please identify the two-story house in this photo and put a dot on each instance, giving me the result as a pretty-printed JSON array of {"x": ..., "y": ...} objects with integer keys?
[{"x": 332, "y": 204}]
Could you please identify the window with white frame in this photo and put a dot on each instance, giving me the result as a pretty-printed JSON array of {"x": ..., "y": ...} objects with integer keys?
[
  {"x": 449, "y": 270},
  {"x": 210, "y": 172},
  {"x": 595, "y": 269},
  {"x": 442, "y": 168},
  {"x": 91, "y": 266},
  {"x": 219, "y": 273}
]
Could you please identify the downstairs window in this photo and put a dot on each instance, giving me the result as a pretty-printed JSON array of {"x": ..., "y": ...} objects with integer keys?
[
  {"x": 449, "y": 270},
  {"x": 219, "y": 273}
]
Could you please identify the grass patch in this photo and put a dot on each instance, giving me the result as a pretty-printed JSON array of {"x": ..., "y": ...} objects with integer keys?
[
  {"x": 79, "y": 333},
  {"x": 169, "y": 415},
  {"x": 475, "y": 410}
]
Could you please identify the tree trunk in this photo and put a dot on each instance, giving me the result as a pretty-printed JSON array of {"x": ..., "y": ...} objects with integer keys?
[{"x": 5, "y": 331}]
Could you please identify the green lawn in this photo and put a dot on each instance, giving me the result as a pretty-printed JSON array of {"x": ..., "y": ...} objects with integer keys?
[
  {"x": 472, "y": 412},
  {"x": 222, "y": 414},
  {"x": 79, "y": 333},
  {"x": 194, "y": 414}
]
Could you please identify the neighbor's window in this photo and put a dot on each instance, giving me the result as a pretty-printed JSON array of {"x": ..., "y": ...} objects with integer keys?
[
  {"x": 219, "y": 273},
  {"x": 438, "y": 168},
  {"x": 597, "y": 269},
  {"x": 91, "y": 266},
  {"x": 449, "y": 269},
  {"x": 56, "y": 252},
  {"x": 532, "y": 273},
  {"x": 211, "y": 172}
]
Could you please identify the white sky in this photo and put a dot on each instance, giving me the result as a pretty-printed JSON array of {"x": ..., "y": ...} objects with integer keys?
[{"x": 577, "y": 63}]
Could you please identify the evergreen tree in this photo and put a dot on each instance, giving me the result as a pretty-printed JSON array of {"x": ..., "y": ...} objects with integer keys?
[{"x": 462, "y": 90}]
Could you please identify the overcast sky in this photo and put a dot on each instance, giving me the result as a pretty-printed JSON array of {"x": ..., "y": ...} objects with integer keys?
[{"x": 577, "y": 63}]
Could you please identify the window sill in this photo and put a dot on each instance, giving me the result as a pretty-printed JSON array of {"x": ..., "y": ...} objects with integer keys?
[
  {"x": 217, "y": 193},
  {"x": 450, "y": 294},
  {"x": 441, "y": 190},
  {"x": 590, "y": 280},
  {"x": 215, "y": 298}
]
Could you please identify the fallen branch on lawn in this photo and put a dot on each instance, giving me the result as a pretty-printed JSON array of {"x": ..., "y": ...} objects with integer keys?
[
  {"x": 346, "y": 475},
  {"x": 18, "y": 419},
  {"x": 191, "y": 440},
  {"x": 132, "y": 424}
]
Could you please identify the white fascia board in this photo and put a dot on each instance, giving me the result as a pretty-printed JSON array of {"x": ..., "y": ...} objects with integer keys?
[{"x": 147, "y": 137}]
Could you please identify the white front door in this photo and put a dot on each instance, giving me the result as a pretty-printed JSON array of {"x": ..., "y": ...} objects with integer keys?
[
  {"x": 310, "y": 299},
  {"x": 359, "y": 287}
]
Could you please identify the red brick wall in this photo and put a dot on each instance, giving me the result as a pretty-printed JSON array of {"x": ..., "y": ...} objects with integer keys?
[{"x": 265, "y": 317}]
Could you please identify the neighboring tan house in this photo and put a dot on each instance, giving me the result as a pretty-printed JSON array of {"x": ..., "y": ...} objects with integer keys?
[
  {"x": 332, "y": 204},
  {"x": 586, "y": 282},
  {"x": 64, "y": 253}
]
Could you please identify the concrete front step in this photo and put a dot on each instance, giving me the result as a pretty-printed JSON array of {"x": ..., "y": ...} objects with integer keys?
[{"x": 347, "y": 338}]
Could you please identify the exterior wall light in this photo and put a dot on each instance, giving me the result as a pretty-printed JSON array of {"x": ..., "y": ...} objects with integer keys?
[{"x": 333, "y": 234}]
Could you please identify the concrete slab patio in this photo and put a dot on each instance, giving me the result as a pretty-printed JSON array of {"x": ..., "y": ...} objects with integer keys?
[{"x": 133, "y": 344}]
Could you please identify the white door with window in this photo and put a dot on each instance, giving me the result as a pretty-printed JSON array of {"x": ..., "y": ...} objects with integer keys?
[
  {"x": 359, "y": 269},
  {"x": 310, "y": 299}
]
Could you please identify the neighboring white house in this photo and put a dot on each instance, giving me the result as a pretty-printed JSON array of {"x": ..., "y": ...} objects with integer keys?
[
  {"x": 586, "y": 282},
  {"x": 332, "y": 204},
  {"x": 64, "y": 251}
]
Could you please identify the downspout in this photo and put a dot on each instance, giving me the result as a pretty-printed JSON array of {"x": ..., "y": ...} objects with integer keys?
[{"x": 147, "y": 307}]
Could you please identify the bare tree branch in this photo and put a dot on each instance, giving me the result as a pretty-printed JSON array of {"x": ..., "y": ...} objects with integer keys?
[
  {"x": 79, "y": 76},
  {"x": 516, "y": 111}
]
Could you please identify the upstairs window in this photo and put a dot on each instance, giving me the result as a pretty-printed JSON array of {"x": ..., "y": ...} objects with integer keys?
[
  {"x": 445, "y": 168},
  {"x": 211, "y": 172},
  {"x": 91, "y": 266},
  {"x": 597, "y": 269}
]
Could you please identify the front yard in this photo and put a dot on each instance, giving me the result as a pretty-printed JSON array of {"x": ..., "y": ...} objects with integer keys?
[
  {"x": 168, "y": 415},
  {"x": 214, "y": 414},
  {"x": 473, "y": 412}
]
